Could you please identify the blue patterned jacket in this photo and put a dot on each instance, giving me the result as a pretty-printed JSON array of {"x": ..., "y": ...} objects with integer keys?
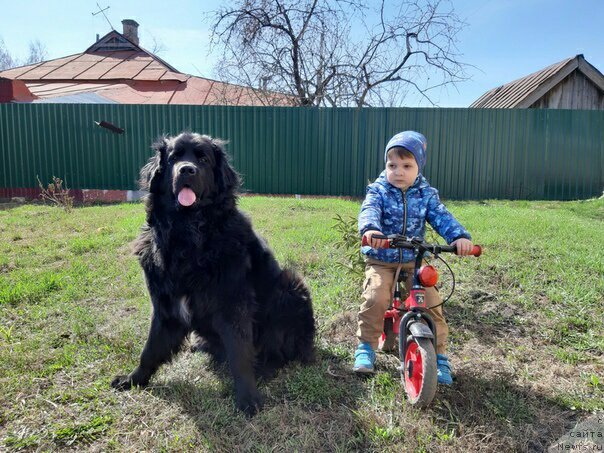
[{"x": 392, "y": 211}]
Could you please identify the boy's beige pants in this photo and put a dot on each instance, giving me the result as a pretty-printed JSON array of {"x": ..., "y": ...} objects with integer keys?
[{"x": 377, "y": 290}]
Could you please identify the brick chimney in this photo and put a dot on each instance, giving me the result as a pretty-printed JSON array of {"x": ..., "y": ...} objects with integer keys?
[
  {"x": 14, "y": 90},
  {"x": 131, "y": 30}
]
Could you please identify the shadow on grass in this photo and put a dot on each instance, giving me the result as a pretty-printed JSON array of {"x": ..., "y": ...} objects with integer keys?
[
  {"x": 485, "y": 408},
  {"x": 489, "y": 320},
  {"x": 497, "y": 413},
  {"x": 306, "y": 407},
  {"x": 325, "y": 407}
]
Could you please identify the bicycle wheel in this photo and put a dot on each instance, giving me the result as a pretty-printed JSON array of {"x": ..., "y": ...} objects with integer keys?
[
  {"x": 387, "y": 342},
  {"x": 420, "y": 370}
]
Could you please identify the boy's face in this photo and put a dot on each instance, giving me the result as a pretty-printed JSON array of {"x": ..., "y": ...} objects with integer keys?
[{"x": 401, "y": 171}]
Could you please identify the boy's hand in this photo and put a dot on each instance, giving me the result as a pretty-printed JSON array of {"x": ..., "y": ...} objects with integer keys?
[
  {"x": 375, "y": 243},
  {"x": 464, "y": 246}
]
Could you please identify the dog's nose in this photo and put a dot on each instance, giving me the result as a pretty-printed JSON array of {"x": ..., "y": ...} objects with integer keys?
[{"x": 187, "y": 170}]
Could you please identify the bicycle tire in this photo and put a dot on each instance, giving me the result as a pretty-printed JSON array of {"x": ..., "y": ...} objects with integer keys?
[{"x": 419, "y": 371}]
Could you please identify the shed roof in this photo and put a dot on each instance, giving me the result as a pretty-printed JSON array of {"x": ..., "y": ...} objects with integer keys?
[{"x": 524, "y": 92}]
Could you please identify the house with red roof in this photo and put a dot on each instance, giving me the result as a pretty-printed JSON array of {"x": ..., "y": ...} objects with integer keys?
[{"x": 116, "y": 70}]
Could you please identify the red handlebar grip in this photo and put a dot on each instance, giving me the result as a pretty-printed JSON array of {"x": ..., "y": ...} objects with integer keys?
[
  {"x": 365, "y": 242},
  {"x": 476, "y": 251}
]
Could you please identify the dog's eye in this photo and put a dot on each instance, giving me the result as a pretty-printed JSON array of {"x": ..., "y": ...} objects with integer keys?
[{"x": 203, "y": 159}]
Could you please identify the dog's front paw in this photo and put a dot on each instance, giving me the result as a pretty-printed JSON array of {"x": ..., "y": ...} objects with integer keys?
[
  {"x": 122, "y": 382},
  {"x": 250, "y": 403}
]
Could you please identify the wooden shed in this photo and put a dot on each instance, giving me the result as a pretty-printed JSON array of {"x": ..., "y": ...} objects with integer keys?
[{"x": 570, "y": 84}]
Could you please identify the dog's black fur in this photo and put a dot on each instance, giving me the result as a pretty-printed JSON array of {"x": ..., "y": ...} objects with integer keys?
[{"x": 208, "y": 272}]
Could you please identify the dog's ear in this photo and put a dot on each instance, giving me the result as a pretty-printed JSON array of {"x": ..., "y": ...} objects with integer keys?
[
  {"x": 152, "y": 172},
  {"x": 227, "y": 178}
]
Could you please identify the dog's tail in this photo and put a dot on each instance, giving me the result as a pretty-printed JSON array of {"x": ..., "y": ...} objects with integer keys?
[
  {"x": 289, "y": 330},
  {"x": 297, "y": 301}
]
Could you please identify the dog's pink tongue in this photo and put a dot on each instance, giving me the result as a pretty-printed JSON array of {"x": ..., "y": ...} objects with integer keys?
[{"x": 186, "y": 197}]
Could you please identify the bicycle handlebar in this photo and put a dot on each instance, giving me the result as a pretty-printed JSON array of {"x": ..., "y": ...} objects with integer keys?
[{"x": 396, "y": 241}]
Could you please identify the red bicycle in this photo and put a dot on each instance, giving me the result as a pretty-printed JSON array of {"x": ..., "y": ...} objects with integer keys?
[{"x": 417, "y": 343}]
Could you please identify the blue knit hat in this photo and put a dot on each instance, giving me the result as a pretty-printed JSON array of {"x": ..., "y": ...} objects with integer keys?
[{"x": 412, "y": 141}]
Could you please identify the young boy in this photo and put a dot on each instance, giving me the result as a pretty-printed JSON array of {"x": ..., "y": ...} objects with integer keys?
[{"x": 400, "y": 201}]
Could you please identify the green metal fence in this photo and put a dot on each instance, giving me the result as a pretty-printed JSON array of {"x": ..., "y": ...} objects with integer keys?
[{"x": 472, "y": 153}]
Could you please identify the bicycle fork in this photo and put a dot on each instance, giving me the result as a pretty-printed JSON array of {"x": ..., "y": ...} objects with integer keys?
[{"x": 416, "y": 323}]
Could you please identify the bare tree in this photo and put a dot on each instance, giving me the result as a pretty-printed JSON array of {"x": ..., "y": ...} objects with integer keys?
[
  {"x": 339, "y": 52},
  {"x": 37, "y": 52},
  {"x": 156, "y": 46},
  {"x": 6, "y": 59}
]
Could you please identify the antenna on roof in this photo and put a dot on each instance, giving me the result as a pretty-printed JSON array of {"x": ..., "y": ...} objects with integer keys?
[
  {"x": 102, "y": 10},
  {"x": 200, "y": 74}
]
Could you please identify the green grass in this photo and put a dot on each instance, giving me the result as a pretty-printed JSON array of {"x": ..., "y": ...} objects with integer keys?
[{"x": 526, "y": 342}]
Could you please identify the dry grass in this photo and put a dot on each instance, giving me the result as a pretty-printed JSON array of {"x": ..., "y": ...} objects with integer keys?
[{"x": 526, "y": 340}]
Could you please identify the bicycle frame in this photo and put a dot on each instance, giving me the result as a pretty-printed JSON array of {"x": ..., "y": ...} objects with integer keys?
[
  {"x": 416, "y": 330},
  {"x": 415, "y": 305}
]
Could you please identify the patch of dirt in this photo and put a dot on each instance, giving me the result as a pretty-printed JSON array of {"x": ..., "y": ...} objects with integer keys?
[
  {"x": 5, "y": 268},
  {"x": 5, "y": 206},
  {"x": 506, "y": 393},
  {"x": 508, "y": 379},
  {"x": 342, "y": 329}
]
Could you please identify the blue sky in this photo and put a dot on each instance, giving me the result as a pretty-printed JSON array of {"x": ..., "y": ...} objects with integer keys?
[{"x": 504, "y": 39}]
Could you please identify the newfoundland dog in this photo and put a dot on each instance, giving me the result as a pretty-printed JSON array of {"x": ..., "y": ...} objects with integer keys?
[{"x": 208, "y": 272}]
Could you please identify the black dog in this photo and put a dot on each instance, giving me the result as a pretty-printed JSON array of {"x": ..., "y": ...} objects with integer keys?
[{"x": 208, "y": 272}]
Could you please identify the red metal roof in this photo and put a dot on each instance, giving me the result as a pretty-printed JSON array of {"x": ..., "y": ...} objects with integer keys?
[
  {"x": 194, "y": 91},
  {"x": 129, "y": 74},
  {"x": 122, "y": 65}
]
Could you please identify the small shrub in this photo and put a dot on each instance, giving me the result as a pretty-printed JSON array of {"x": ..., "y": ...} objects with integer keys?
[
  {"x": 594, "y": 381},
  {"x": 350, "y": 243},
  {"x": 7, "y": 333},
  {"x": 56, "y": 194}
]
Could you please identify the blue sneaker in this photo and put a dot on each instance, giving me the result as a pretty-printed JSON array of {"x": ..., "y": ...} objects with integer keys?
[
  {"x": 444, "y": 370},
  {"x": 364, "y": 358}
]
